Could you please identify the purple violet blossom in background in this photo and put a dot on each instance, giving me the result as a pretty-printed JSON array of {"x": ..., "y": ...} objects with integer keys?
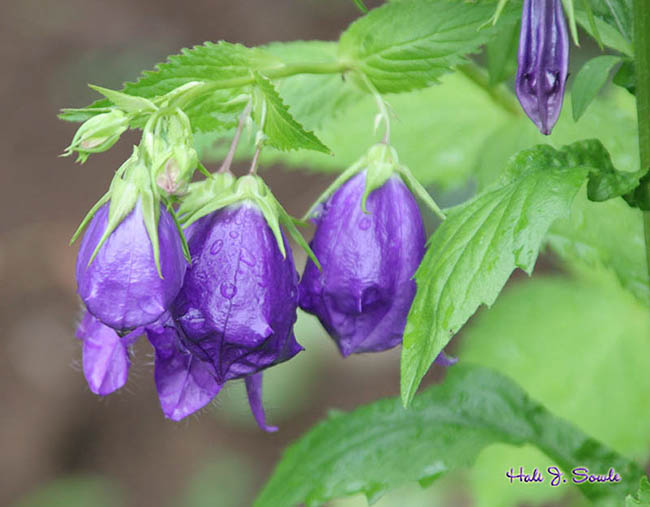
[
  {"x": 543, "y": 62},
  {"x": 121, "y": 286},
  {"x": 364, "y": 292}
]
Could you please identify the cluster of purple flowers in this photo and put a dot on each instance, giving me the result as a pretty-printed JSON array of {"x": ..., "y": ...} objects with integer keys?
[{"x": 230, "y": 313}]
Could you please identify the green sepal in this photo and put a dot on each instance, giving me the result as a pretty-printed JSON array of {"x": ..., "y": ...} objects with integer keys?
[
  {"x": 290, "y": 223},
  {"x": 206, "y": 196},
  {"x": 358, "y": 166},
  {"x": 103, "y": 200},
  {"x": 181, "y": 234},
  {"x": 127, "y": 103},
  {"x": 416, "y": 188},
  {"x": 123, "y": 197},
  {"x": 380, "y": 163},
  {"x": 220, "y": 190},
  {"x": 150, "y": 214},
  {"x": 571, "y": 19}
]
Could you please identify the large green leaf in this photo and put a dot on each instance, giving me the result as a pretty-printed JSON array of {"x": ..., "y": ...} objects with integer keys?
[
  {"x": 608, "y": 235},
  {"x": 579, "y": 346},
  {"x": 402, "y": 46},
  {"x": 382, "y": 445},
  {"x": 474, "y": 251}
]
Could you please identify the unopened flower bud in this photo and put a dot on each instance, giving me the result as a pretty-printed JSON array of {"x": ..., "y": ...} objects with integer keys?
[
  {"x": 238, "y": 302},
  {"x": 98, "y": 134},
  {"x": 365, "y": 289},
  {"x": 543, "y": 62},
  {"x": 121, "y": 286}
]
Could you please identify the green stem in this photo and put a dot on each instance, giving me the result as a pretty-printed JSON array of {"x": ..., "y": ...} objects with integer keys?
[
  {"x": 500, "y": 94},
  {"x": 642, "y": 69}
]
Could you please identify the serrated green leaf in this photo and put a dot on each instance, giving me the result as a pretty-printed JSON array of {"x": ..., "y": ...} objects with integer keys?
[
  {"x": 381, "y": 445},
  {"x": 329, "y": 94},
  {"x": 281, "y": 128},
  {"x": 403, "y": 46},
  {"x": 208, "y": 62},
  {"x": 589, "y": 81},
  {"x": 605, "y": 235},
  {"x": 562, "y": 340},
  {"x": 473, "y": 252},
  {"x": 642, "y": 496}
]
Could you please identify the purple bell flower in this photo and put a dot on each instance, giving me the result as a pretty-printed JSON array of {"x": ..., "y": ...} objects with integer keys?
[
  {"x": 238, "y": 302},
  {"x": 121, "y": 286},
  {"x": 543, "y": 62},
  {"x": 105, "y": 355},
  {"x": 365, "y": 289}
]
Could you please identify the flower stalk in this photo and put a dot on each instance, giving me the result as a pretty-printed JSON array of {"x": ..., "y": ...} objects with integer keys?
[{"x": 642, "y": 69}]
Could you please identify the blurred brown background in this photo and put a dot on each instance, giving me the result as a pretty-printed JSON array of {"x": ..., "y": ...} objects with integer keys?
[{"x": 53, "y": 432}]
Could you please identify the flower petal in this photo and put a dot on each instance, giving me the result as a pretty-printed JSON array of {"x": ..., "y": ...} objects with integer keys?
[
  {"x": 185, "y": 383},
  {"x": 254, "y": 392}
]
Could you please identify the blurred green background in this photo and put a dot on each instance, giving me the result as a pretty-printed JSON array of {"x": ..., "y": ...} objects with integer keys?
[{"x": 572, "y": 337}]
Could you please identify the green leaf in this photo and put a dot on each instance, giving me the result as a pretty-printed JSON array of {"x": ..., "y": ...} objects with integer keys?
[
  {"x": 608, "y": 236},
  {"x": 381, "y": 445},
  {"x": 329, "y": 94},
  {"x": 607, "y": 28},
  {"x": 625, "y": 77},
  {"x": 642, "y": 496},
  {"x": 563, "y": 340},
  {"x": 282, "y": 129},
  {"x": 473, "y": 252},
  {"x": 591, "y": 78},
  {"x": 209, "y": 62},
  {"x": 402, "y": 46},
  {"x": 502, "y": 54}
]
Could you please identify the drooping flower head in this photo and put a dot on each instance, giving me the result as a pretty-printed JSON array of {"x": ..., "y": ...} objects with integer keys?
[
  {"x": 238, "y": 303},
  {"x": 543, "y": 62},
  {"x": 365, "y": 288},
  {"x": 370, "y": 240},
  {"x": 130, "y": 264},
  {"x": 121, "y": 286}
]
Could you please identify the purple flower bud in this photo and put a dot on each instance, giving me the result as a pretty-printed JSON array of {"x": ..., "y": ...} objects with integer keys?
[
  {"x": 543, "y": 62},
  {"x": 105, "y": 355},
  {"x": 185, "y": 382},
  {"x": 121, "y": 286},
  {"x": 364, "y": 292},
  {"x": 238, "y": 302}
]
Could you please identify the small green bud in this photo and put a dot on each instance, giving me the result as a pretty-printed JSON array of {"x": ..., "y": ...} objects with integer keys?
[
  {"x": 98, "y": 134},
  {"x": 169, "y": 146}
]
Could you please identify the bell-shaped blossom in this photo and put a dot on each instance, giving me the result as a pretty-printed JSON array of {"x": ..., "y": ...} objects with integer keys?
[
  {"x": 121, "y": 286},
  {"x": 365, "y": 289},
  {"x": 238, "y": 302},
  {"x": 105, "y": 355},
  {"x": 543, "y": 62}
]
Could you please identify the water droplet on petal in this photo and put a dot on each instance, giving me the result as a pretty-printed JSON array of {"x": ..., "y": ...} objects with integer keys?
[
  {"x": 233, "y": 234},
  {"x": 364, "y": 224},
  {"x": 247, "y": 257},
  {"x": 216, "y": 247},
  {"x": 228, "y": 290}
]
